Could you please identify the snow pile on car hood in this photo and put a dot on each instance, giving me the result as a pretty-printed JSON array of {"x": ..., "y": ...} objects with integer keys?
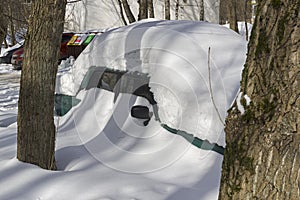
[{"x": 194, "y": 68}]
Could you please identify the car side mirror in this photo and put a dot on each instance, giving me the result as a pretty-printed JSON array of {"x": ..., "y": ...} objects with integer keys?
[{"x": 140, "y": 112}]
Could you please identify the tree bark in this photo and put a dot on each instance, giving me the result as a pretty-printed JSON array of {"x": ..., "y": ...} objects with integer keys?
[
  {"x": 151, "y": 9},
  {"x": 3, "y": 26},
  {"x": 121, "y": 12},
  {"x": 128, "y": 11},
  {"x": 12, "y": 33},
  {"x": 262, "y": 154},
  {"x": 36, "y": 129},
  {"x": 223, "y": 17},
  {"x": 167, "y": 10},
  {"x": 245, "y": 17},
  {"x": 232, "y": 11},
  {"x": 11, "y": 24},
  {"x": 143, "y": 9},
  {"x": 201, "y": 9},
  {"x": 177, "y": 10}
]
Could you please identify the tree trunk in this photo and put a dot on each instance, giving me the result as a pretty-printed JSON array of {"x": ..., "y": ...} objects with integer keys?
[
  {"x": 151, "y": 9},
  {"x": 143, "y": 9},
  {"x": 167, "y": 10},
  {"x": 12, "y": 33},
  {"x": 201, "y": 9},
  {"x": 36, "y": 129},
  {"x": 262, "y": 154},
  {"x": 128, "y": 11},
  {"x": 177, "y": 10},
  {"x": 232, "y": 11},
  {"x": 223, "y": 17},
  {"x": 3, "y": 26},
  {"x": 245, "y": 17},
  {"x": 121, "y": 12},
  {"x": 11, "y": 25}
]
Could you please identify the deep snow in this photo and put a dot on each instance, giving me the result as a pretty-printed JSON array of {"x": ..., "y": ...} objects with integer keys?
[
  {"x": 102, "y": 152},
  {"x": 9, "y": 87}
]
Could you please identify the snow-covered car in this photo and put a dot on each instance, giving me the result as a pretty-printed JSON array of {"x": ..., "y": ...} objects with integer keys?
[
  {"x": 5, "y": 57},
  {"x": 151, "y": 99},
  {"x": 16, "y": 59},
  {"x": 135, "y": 84}
]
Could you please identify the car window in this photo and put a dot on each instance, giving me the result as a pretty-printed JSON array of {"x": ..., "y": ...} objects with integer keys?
[
  {"x": 91, "y": 78},
  {"x": 109, "y": 80},
  {"x": 118, "y": 82},
  {"x": 138, "y": 84}
]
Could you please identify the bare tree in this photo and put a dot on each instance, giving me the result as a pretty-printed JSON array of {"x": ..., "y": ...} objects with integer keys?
[
  {"x": 151, "y": 8},
  {"x": 245, "y": 18},
  {"x": 201, "y": 10},
  {"x": 14, "y": 16},
  {"x": 121, "y": 12},
  {"x": 177, "y": 9},
  {"x": 128, "y": 11},
  {"x": 167, "y": 10},
  {"x": 242, "y": 9},
  {"x": 36, "y": 129},
  {"x": 3, "y": 26},
  {"x": 11, "y": 24},
  {"x": 143, "y": 9},
  {"x": 262, "y": 153},
  {"x": 232, "y": 10},
  {"x": 223, "y": 17}
]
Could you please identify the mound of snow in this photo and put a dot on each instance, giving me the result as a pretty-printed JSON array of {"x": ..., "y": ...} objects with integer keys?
[{"x": 189, "y": 63}]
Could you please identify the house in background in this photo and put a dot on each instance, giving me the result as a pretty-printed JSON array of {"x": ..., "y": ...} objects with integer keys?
[{"x": 98, "y": 14}]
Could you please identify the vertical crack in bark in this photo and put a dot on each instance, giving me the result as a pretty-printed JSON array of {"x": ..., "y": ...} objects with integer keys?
[
  {"x": 257, "y": 172},
  {"x": 269, "y": 160}
]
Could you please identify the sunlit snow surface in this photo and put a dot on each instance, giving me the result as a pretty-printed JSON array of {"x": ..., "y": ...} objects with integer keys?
[
  {"x": 103, "y": 153},
  {"x": 9, "y": 87}
]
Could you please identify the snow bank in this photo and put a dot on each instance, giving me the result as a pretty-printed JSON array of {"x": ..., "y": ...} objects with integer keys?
[
  {"x": 9, "y": 88},
  {"x": 5, "y": 68}
]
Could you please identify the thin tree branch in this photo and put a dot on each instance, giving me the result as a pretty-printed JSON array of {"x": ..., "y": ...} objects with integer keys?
[
  {"x": 210, "y": 89},
  {"x": 74, "y": 1},
  {"x": 121, "y": 12}
]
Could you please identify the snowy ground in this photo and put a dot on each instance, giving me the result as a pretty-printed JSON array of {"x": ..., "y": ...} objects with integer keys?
[
  {"x": 9, "y": 87},
  {"x": 102, "y": 153},
  {"x": 9, "y": 94}
]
